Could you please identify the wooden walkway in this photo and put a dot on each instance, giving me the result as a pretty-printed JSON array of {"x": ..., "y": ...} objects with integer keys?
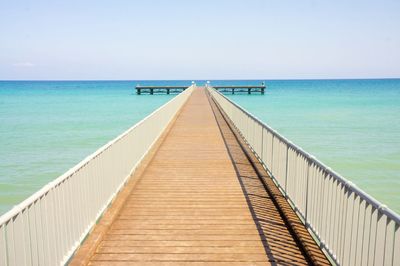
[{"x": 197, "y": 202}]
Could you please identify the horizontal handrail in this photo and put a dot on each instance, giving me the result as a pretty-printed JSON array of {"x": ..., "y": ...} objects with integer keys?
[
  {"x": 47, "y": 227},
  {"x": 303, "y": 179}
]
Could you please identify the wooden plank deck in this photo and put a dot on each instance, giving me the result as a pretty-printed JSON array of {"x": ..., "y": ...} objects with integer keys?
[{"x": 195, "y": 203}]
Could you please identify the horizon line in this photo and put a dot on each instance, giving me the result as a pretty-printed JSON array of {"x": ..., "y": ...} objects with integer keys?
[{"x": 252, "y": 79}]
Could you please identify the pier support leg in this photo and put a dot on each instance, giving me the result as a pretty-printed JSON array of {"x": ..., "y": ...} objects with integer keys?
[
  {"x": 167, "y": 91},
  {"x": 248, "y": 91},
  {"x": 151, "y": 91}
]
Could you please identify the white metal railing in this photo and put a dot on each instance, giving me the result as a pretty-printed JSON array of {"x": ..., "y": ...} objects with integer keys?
[
  {"x": 350, "y": 225},
  {"x": 46, "y": 228}
]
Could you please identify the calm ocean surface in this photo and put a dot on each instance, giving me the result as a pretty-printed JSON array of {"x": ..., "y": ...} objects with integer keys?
[{"x": 46, "y": 127}]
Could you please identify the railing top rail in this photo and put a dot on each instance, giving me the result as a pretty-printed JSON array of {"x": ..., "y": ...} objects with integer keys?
[
  {"x": 46, "y": 188},
  {"x": 369, "y": 199}
]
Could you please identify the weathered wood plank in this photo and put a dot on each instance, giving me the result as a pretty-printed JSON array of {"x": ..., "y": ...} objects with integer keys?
[
  {"x": 177, "y": 263},
  {"x": 180, "y": 257},
  {"x": 182, "y": 250},
  {"x": 183, "y": 243}
]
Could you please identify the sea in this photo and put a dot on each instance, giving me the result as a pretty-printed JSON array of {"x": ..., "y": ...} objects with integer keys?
[{"x": 353, "y": 126}]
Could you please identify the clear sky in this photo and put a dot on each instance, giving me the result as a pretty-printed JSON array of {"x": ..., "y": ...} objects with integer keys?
[{"x": 204, "y": 39}]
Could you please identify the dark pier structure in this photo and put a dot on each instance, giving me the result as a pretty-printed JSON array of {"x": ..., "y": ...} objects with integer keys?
[
  {"x": 159, "y": 89},
  {"x": 249, "y": 89}
]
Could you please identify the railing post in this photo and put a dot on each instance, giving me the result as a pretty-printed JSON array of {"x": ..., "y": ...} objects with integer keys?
[
  {"x": 262, "y": 143},
  {"x": 286, "y": 175},
  {"x": 272, "y": 154},
  {"x": 307, "y": 193}
]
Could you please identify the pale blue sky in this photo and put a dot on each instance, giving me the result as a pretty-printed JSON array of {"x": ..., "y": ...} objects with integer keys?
[{"x": 254, "y": 39}]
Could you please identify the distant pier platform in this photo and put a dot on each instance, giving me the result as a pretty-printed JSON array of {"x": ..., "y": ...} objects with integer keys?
[
  {"x": 249, "y": 89},
  {"x": 159, "y": 89}
]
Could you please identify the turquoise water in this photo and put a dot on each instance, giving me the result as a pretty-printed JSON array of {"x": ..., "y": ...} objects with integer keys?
[
  {"x": 351, "y": 125},
  {"x": 48, "y": 127}
]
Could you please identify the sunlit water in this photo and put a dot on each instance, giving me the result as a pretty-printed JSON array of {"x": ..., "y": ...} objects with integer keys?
[
  {"x": 351, "y": 125},
  {"x": 48, "y": 127}
]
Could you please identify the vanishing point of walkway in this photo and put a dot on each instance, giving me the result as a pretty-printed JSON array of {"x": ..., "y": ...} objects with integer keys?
[{"x": 197, "y": 202}]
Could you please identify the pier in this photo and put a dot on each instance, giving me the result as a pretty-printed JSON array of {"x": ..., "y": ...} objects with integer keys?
[
  {"x": 249, "y": 89},
  {"x": 206, "y": 205},
  {"x": 200, "y": 181}
]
